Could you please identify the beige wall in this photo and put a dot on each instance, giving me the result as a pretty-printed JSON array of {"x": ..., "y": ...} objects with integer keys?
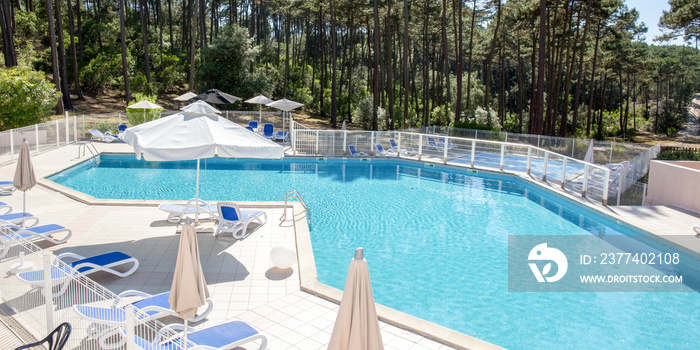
[{"x": 674, "y": 183}]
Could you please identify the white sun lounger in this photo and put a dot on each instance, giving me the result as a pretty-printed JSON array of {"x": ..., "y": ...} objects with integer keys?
[
  {"x": 176, "y": 212},
  {"x": 61, "y": 275},
  {"x": 385, "y": 152},
  {"x": 233, "y": 219},
  {"x": 104, "y": 137},
  {"x": 6, "y": 188},
  {"x": 106, "y": 321},
  {"x": 225, "y": 336},
  {"x": 406, "y": 151},
  {"x": 13, "y": 233}
]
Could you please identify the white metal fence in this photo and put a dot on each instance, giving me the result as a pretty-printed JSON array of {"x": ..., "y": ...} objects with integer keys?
[
  {"x": 589, "y": 180},
  {"x": 39, "y": 311}
]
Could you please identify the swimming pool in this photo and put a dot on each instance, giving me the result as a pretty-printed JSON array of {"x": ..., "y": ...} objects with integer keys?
[{"x": 435, "y": 239}]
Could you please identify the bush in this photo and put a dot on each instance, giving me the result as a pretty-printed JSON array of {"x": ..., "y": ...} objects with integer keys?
[
  {"x": 671, "y": 131},
  {"x": 27, "y": 97},
  {"x": 679, "y": 155},
  {"x": 362, "y": 114},
  {"x": 104, "y": 127},
  {"x": 104, "y": 71}
]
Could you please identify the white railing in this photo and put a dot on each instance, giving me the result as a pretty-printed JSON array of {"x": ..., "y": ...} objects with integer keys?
[
  {"x": 589, "y": 180},
  {"x": 39, "y": 311}
]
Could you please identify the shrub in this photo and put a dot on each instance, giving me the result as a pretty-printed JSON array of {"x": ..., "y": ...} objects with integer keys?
[
  {"x": 27, "y": 97},
  {"x": 679, "y": 155},
  {"x": 363, "y": 114},
  {"x": 671, "y": 131}
]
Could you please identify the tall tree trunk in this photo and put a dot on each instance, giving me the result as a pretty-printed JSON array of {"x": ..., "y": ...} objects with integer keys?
[
  {"x": 538, "y": 103},
  {"x": 287, "y": 19},
  {"x": 602, "y": 107},
  {"x": 8, "y": 47},
  {"x": 67, "y": 103},
  {"x": 351, "y": 62},
  {"x": 376, "y": 52},
  {"x": 193, "y": 39},
  {"x": 334, "y": 100},
  {"x": 406, "y": 54},
  {"x": 170, "y": 25},
  {"x": 469, "y": 60},
  {"x": 54, "y": 56},
  {"x": 389, "y": 68},
  {"x": 144, "y": 36},
  {"x": 71, "y": 28},
  {"x": 489, "y": 58},
  {"x": 445, "y": 59},
  {"x": 458, "y": 57},
  {"x": 579, "y": 75},
  {"x": 125, "y": 69},
  {"x": 81, "y": 46},
  {"x": 521, "y": 87},
  {"x": 595, "y": 61}
]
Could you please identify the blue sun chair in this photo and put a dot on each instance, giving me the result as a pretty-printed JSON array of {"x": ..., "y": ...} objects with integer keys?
[
  {"x": 433, "y": 144},
  {"x": 268, "y": 131},
  {"x": 281, "y": 135},
  {"x": 104, "y": 137},
  {"x": 385, "y": 152},
  {"x": 253, "y": 125},
  {"x": 6, "y": 188},
  {"x": 61, "y": 275},
  {"x": 6, "y": 208},
  {"x": 228, "y": 335},
  {"x": 406, "y": 151},
  {"x": 250, "y": 128},
  {"x": 28, "y": 219},
  {"x": 176, "y": 212},
  {"x": 11, "y": 234},
  {"x": 355, "y": 153},
  {"x": 106, "y": 321},
  {"x": 121, "y": 128},
  {"x": 232, "y": 219},
  {"x": 441, "y": 142}
]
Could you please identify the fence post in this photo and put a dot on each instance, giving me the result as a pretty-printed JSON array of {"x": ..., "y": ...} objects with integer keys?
[
  {"x": 473, "y": 152},
  {"x": 506, "y": 140},
  {"x": 503, "y": 153},
  {"x": 444, "y": 150},
  {"x": 333, "y": 147},
  {"x": 292, "y": 136},
  {"x": 573, "y": 149},
  {"x": 75, "y": 128},
  {"x": 585, "y": 180},
  {"x": 563, "y": 174},
  {"x": 398, "y": 151},
  {"x": 606, "y": 186},
  {"x": 48, "y": 292},
  {"x": 529, "y": 158},
  {"x": 67, "y": 129},
  {"x": 130, "y": 326},
  {"x": 371, "y": 142},
  {"x": 611, "y": 151},
  {"x": 420, "y": 146},
  {"x": 119, "y": 115},
  {"x": 621, "y": 183},
  {"x": 345, "y": 140},
  {"x": 83, "y": 133},
  {"x": 538, "y": 140},
  {"x": 476, "y": 134},
  {"x": 544, "y": 170},
  {"x": 12, "y": 145},
  {"x": 58, "y": 134},
  {"x": 644, "y": 194},
  {"x": 36, "y": 134},
  {"x": 316, "y": 142}
]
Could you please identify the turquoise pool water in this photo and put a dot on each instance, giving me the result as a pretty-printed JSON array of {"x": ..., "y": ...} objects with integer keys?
[{"x": 435, "y": 239}]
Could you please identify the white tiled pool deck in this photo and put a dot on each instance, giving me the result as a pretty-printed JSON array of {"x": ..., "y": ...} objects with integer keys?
[{"x": 241, "y": 278}]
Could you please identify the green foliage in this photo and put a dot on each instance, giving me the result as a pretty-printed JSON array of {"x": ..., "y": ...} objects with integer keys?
[
  {"x": 27, "y": 97},
  {"x": 170, "y": 72},
  {"x": 440, "y": 115},
  {"x": 679, "y": 155},
  {"x": 107, "y": 127},
  {"x": 671, "y": 132},
  {"x": 138, "y": 116},
  {"x": 139, "y": 85},
  {"x": 471, "y": 124},
  {"x": 362, "y": 114},
  {"x": 225, "y": 62},
  {"x": 103, "y": 72}
]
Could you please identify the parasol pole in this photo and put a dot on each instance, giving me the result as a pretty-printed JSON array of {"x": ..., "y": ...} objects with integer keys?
[
  {"x": 196, "y": 211},
  {"x": 259, "y": 116}
]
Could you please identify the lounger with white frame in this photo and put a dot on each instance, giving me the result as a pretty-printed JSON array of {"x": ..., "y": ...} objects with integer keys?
[
  {"x": 385, "y": 152},
  {"x": 176, "y": 212},
  {"x": 433, "y": 144},
  {"x": 7, "y": 188},
  {"x": 353, "y": 152},
  {"x": 233, "y": 219},
  {"x": 24, "y": 219},
  {"x": 5, "y": 208},
  {"x": 104, "y": 137},
  {"x": 441, "y": 142},
  {"x": 225, "y": 336},
  {"x": 10, "y": 234},
  {"x": 106, "y": 321},
  {"x": 62, "y": 274},
  {"x": 406, "y": 151}
]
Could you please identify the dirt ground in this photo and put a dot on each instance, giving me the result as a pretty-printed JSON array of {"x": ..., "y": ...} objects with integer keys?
[{"x": 112, "y": 102}]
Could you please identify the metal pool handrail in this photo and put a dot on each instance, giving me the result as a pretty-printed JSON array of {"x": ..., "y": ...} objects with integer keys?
[{"x": 293, "y": 194}]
